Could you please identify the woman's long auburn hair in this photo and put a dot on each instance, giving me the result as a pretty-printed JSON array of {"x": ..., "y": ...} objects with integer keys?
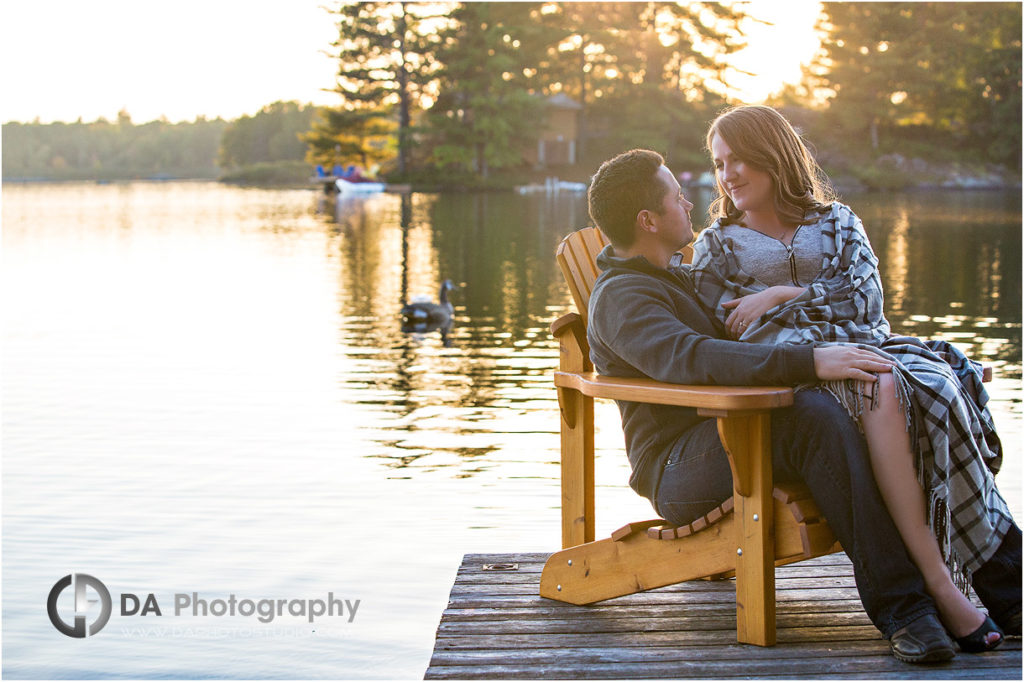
[{"x": 763, "y": 138}]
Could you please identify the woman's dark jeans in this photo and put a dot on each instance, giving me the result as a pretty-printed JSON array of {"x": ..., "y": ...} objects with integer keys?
[{"x": 816, "y": 442}]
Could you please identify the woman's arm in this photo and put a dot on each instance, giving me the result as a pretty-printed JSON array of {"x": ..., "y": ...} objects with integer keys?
[
  {"x": 637, "y": 328},
  {"x": 746, "y": 310},
  {"x": 843, "y": 304}
]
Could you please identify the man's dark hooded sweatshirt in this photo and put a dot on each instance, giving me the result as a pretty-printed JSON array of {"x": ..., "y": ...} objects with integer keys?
[{"x": 645, "y": 322}]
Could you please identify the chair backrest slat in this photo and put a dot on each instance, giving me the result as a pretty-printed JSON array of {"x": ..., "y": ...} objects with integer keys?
[{"x": 577, "y": 259}]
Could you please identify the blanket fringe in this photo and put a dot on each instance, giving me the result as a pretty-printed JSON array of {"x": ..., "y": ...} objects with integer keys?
[
  {"x": 850, "y": 393},
  {"x": 939, "y": 521}
]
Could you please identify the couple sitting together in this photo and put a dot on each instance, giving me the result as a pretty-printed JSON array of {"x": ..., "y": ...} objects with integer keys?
[{"x": 890, "y": 433}]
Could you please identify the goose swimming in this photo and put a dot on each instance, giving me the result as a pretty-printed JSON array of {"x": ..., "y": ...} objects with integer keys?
[{"x": 428, "y": 312}]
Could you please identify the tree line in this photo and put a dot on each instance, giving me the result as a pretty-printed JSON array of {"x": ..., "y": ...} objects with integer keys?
[
  {"x": 941, "y": 79},
  {"x": 458, "y": 91},
  {"x": 460, "y": 88},
  {"x": 111, "y": 150},
  {"x": 118, "y": 150}
]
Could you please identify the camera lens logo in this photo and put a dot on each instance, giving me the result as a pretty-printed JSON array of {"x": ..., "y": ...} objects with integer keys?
[{"x": 83, "y": 605}]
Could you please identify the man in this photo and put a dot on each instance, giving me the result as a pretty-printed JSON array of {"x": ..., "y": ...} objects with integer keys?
[{"x": 645, "y": 321}]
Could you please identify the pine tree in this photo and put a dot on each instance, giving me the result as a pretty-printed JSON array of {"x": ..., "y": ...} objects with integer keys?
[
  {"x": 385, "y": 65},
  {"x": 485, "y": 107},
  {"x": 642, "y": 70},
  {"x": 952, "y": 69}
]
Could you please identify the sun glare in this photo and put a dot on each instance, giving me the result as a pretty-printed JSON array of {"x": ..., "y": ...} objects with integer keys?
[{"x": 775, "y": 50}]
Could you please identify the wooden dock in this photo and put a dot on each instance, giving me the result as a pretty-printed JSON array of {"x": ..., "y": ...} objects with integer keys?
[{"x": 496, "y": 626}]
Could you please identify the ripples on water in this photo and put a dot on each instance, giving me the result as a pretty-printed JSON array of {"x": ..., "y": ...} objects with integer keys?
[{"x": 206, "y": 389}]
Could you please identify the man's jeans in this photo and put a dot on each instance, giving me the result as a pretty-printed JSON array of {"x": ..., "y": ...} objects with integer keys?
[
  {"x": 998, "y": 582},
  {"x": 816, "y": 442}
]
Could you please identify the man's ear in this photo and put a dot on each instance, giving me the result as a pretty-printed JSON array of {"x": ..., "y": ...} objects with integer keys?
[{"x": 644, "y": 222}]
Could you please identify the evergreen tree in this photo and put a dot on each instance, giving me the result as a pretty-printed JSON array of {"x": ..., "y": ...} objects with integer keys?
[
  {"x": 385, "y": 64},
  {"x": 644, "y": 72},
  {"x": 485, "y": 108},
  {"x": 951, "y": 69}
]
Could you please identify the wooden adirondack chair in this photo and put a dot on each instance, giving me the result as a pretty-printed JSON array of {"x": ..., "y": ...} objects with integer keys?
[{"x": 761, "y": 527}]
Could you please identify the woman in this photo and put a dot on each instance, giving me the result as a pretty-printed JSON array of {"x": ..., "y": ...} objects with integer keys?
[{"x": 785, "y": 262}]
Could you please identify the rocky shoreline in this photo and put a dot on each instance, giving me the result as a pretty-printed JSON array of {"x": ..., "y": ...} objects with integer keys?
[{"x": 898, "y": 172}]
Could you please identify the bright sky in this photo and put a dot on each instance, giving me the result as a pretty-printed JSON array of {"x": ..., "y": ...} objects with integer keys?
[
  {"x": 774, "y": 53},
  {"x": 62, "y": 59},
  {"x": 65, "y": 59}
]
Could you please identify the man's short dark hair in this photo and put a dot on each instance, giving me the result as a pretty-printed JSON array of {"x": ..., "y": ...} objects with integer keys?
[{"x": 621, "y": 188}]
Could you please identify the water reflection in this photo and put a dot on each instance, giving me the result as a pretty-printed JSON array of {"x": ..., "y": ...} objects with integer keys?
[
  {"x": 208, "y": 387},
  {"x": 445, "y": 400},
  {"x": 950, "y": 265}
]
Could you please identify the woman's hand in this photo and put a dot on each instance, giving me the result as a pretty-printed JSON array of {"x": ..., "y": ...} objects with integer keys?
[
  {"x": 848, "y": 362},
  {"x": 747, "y": 309}
]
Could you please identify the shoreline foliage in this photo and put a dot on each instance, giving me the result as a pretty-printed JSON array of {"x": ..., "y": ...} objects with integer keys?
[
  {"x": 453, "y": 94},
  {"x": 105, "y": 150},
  {"x": 939, "y": 83}
]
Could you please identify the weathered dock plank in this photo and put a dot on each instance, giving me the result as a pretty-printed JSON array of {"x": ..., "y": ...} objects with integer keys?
[{"x": 496, "y": 626}]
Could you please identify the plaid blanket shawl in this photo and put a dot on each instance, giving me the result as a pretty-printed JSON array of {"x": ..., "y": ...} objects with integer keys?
[{"x": 940, "y": 389}]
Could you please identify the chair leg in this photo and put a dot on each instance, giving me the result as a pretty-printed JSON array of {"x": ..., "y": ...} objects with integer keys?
[
  {"x": 577, "y": 418},
  {"x": 747, "y": 440}
]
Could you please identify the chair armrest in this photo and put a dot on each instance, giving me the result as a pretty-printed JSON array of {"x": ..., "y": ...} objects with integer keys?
[
  {"x": 710, "y": 400},
  {"x": 565, "y": 323},
  {"x": 574, "y": 352}
]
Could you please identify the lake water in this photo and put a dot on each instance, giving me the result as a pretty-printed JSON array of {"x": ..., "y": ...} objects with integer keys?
[{"x": 206, "y": 390}]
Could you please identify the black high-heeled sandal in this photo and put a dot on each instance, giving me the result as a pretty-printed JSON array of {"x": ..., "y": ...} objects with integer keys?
[{"x": 977, "y": 641}]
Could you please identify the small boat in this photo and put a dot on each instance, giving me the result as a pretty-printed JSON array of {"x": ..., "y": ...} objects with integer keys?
[
  {"x": 553, "y": 186},
  {"x": 704, "y": 180},
  {"x": 346, "y": 187}
]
